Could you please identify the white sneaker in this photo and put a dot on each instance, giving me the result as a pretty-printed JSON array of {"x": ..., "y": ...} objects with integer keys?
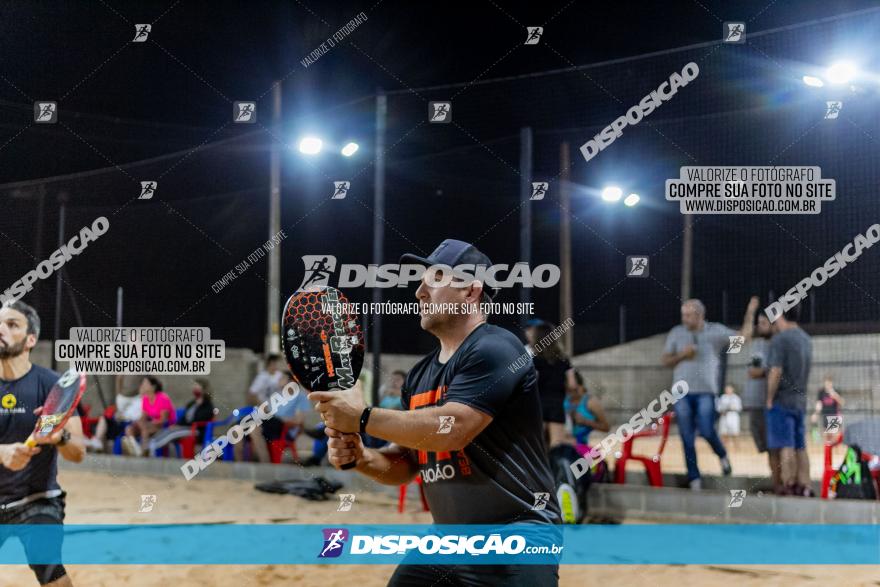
[
  {"x": 95, "y": 444},
  {"x": 130, "y": 447},
  {"x": 696, "y": 484}
]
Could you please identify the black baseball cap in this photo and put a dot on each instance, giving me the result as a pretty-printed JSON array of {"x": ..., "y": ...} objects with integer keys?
[{"x": 452, "y": 252}]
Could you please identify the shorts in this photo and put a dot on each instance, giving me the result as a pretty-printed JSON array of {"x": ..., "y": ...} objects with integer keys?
[
  {"x": 553, "y": 410},
  {"x": 115, "y": 428},
  {"x": 42, "y": 511},
  {"x": 758, "y": 428},
  {"x": 271, "y": 428},
  {"x": 785, "y": 428},
  {"x": 475, "y": 575}
]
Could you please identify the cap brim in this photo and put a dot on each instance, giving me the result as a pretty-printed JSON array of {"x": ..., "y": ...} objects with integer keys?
[{"x": 410, "y": 258}]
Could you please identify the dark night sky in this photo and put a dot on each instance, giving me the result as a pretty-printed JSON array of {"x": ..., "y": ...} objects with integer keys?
[{"x": 121, "y": 103}]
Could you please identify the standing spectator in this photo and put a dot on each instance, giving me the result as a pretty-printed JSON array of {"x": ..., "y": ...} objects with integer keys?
[
  {"x": 555, "y": 380},
  {"x": 112, "y": 423},
  {"x": 199, "y": 409},
  {"x": 828, "y": 404},
  {"x": 391, "y": 393},
  {"x": 267, "y": 382},
  {"x": 692, "y": 349},
  {"x": 789, "y": 359},
  {"x": 157, "y": 410},
  {"x": 729, "y": 406},
  {"x": 755, "y": 395}
]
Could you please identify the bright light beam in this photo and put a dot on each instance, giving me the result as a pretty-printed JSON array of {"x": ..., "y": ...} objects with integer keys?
[
  {"x": 612, "y": 193},
  {"x": 841, "y": 72},
  {"x": 350, "y": 149},
  {"x": 813, "y": 82},
  {"x": 310, "y": 145},
  {"x": 631, "y": 200}
]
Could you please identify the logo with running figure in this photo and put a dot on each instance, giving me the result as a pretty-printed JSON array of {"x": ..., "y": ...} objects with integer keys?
[
  {"x": 833, "y": 424},
  {"x": 737, "y": 497},
  {"x": 736, "y": 344},
  {"x": 148, "y": 189},
  {"x": 440, "y": 112},
  {"x": 340, "y": 189},
  {"x": 533, "y": 34},
  {"x": 46, "y": 112},
  {"x": 734, "y": 32},
  {"x": 334, "y": 540},
  {"x": 539, "y": 190},
  {"x": 319, "y": 268},
  {"x": 244, "y": 112},
  {"x": 637, "y": 267},
  {"x": 141, "y": 32},
  {"x": 832, "y": 110}
]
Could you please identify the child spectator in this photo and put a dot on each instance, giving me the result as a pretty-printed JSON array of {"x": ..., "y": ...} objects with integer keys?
[{"x": 729, "y": 406}]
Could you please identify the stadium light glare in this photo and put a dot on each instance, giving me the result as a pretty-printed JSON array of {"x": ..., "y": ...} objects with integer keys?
[
  {"x": 841, "y": 72},
  {"x": 310, "y": 145},
  {"x": 350, "y": 149},
  {"x": 631, "y": 200},
  {"x": 612, "y": 193},
  {"x": 813, "y": 82}
]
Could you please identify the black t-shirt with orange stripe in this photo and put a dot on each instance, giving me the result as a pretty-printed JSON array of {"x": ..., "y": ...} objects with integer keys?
[{"x": 495, "y": 479}]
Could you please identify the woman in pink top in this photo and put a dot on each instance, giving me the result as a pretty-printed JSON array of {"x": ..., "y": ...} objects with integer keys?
[{"x": 157, "y": 410}]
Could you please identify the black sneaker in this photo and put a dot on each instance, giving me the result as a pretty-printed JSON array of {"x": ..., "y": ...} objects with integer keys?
[{"x": 725, "y": 467}]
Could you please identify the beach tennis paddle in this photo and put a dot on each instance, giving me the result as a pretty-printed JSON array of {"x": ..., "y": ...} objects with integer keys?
[
  {"x": 322, "y": 340},
  {"x": 60, "y": 404}
]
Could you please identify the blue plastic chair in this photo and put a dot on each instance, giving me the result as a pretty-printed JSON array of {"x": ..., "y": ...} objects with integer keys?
[{"x": 235, "y": 417}]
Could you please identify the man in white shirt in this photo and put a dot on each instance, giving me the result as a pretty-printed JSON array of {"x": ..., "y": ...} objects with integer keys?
[{"x": 267, "y": 382}]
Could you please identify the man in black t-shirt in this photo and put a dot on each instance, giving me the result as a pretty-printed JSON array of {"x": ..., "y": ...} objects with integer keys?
[
  {"x": 29, "y": 493},
  {"x": 471, "y": 425}
]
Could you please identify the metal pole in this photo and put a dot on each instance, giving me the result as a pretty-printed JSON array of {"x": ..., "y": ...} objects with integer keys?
[
  {"x": 525, "y": 215},
  {"x": 621, "y": 331},
  {"x": 687, "y": 257},
  {"x": 38, "y": 240},
  {"x": 378, "y": 237},
  {"x": 565, "y": 302},
  {"x": 273, "y": 288},
  {"x": 62, "y": 198},
  {"x": 119, "y": 307}
]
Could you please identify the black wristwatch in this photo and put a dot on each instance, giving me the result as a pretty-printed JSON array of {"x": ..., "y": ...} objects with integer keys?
[
  {"x": 365, "y": 417},
  {"x": 65, "y": 436}
]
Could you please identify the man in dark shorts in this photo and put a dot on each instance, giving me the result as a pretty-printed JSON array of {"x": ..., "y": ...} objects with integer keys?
[
  {"x": 29, "y": 493},
  {"x": 491, "y": 461},
  {"x": 755, "y": 394},
  {"x": 789, "y": 360}
]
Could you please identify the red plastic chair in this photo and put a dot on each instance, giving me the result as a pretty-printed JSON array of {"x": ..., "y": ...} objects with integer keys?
[
  {"x": 187, "y": 444},
  {"x": 401, "y": 498},
  {"x": 652, "y": 462},
  {"x": 88, "y": 423},
  {"x": 277, "y": 446}
]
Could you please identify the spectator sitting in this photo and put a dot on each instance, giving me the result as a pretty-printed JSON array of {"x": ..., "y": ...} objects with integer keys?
[
  {"x": 586, "y": 413},
  {"x": 391, "y": 393},
  {"x": 112, "y": 423},
  {"x": 157, "y": 410},
  {"x": 199, "y": 409},
  {"x": 729, "y": 406}
]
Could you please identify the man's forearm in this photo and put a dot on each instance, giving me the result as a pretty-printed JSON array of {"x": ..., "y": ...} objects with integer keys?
[
  {"x": 748, "y": 325},
  {"x": 74, "y": 450},
  {"x": 416, "y": 429},
  {"x": 391, "y": 467}
]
